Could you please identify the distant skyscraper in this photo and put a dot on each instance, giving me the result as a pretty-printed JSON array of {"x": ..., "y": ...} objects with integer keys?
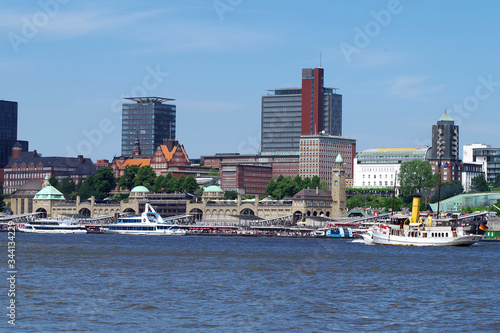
[
  {"x": 8, "y": 131},
  {"x": 289, "y": 113},
  {"x": 149, "y": 121},
  {"x": 445, "y": 139},
  {"x": 445, "y": 151}
]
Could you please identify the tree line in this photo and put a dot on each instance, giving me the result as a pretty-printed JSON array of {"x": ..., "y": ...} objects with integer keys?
[
  {"x": 104, "y": 181},
  {"x": 285, "y": 187}
]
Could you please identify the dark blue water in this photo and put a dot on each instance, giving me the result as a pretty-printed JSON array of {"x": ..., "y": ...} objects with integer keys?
[{"x": 122, "y": 283}]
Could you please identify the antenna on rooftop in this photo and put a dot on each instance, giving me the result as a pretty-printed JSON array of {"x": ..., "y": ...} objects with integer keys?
[{"x": 320, "y": 60}]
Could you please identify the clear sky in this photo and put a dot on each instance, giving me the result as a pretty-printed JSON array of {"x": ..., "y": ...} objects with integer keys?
[{"x": 398, "y": 65}]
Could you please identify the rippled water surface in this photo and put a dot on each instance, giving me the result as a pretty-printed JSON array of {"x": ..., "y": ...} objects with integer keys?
[{"x": 128, "y": 283}]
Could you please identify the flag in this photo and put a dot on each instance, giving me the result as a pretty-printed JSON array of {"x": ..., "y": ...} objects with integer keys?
[
  {"x": 482, "y": 227},
  {"x": 446, "y": 165},
  {"x": 162, "y": 189}
]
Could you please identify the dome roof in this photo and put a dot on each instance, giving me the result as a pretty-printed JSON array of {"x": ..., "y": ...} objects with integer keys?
[
  {"x": 49, "y": 193},
  {"x": 213, "y": 188},
  {"x": 140, "y": 189},
  {"x": 339, "y": 159}
]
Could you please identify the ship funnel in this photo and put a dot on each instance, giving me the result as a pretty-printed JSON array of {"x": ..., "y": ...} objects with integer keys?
[{"x": 415, "y": 211}]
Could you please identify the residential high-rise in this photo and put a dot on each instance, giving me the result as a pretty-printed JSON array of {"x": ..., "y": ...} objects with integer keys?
[
  {"x": 148, "y": 120},
  {"x": 445, "y": 151},
  {"x": 288, "y": 113},
  {"x": 8, "y": 131},
  {"x": 445, "y": 139}
]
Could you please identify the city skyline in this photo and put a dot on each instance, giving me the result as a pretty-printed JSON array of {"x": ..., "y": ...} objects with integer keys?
[{"x": 69, "y": 65}]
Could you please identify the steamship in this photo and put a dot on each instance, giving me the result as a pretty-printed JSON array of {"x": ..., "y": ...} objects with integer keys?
[{"x": 413, "y": 230}]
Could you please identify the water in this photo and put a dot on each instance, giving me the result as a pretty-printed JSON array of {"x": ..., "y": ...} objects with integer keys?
[{"x": 128, "y": 283}]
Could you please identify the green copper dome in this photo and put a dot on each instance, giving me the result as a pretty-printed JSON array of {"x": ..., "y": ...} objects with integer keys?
[
  {"x": 49, "y": 193},
  {"x": 141, "y": 189},
  {"x": 339, "y": 159},
  {"x": 213, "y": 188}
]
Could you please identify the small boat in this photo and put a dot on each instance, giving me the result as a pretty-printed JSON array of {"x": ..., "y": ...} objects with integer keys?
[
  {"x": 414, "y": 231},
  {"x": 50, "y": 226},
  {"x": 334, "y": 232},
  {"x": 149, "y": 223}
]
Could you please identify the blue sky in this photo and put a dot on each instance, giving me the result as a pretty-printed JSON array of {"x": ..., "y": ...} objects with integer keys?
[{"x": 398, "y": 65}]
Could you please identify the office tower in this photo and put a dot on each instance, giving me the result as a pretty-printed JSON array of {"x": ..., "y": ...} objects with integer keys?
[
  {"x": 288, "y": 113},
  {"x": 318, "y": 154},
  {"x": 8, "y": 131},
  {"x": 149, "y": 121}
]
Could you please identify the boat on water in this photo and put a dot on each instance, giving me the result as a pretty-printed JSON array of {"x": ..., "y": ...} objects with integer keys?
[
  {"x": 336, "y": 232},
  {"x": 415, "y": 231},
  {"x": 149, "y": 223},
  {"x": 52, "y": 226}
]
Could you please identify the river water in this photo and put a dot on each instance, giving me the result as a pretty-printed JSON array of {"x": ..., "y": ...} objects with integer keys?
[{"x": 125, "y": 283}]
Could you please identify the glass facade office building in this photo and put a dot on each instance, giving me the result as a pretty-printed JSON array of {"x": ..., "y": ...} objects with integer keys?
[
  {"x": 149, "y": 120},
  {"x": 8, "y": 130},
  {"x": 281, "y": 121},
  {"x": 288, "y": 113},
  {"x": 490, "y": 157}
]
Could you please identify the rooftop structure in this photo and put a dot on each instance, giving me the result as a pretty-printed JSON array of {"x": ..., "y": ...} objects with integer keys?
[
  {"x": 149, "y": 122},
  {"x": 149, "y": 99}
]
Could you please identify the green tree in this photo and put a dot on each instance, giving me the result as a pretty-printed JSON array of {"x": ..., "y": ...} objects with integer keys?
[
  {"x": 306, "y": 183},
  {"x": 145, "y": 176},
  {"x": 104, "y": 182},
  {"x": 181, "y": 182},
  {"x": 67, "y": 187},
  {"x": 199, "y": 191},
  {"x": 53, "y": 181},
  {"x": 126, "y": 181},
  {"x": 172, "y": 185},
  {"x": 230, "y": 195},
  {"x": 323, "y": 185},
  {"x": 190, "y": 184},
  {"x": 298, "y": 182},
  {"x": 315, "y": 182},
  {"x": 85, "y": 189},
  {"x": 271, "y": 186},
  {"x": 120, "y": 196},
  {"x": 285, "y": 187},
  {"x": 496, "y": 182},
  {"x": 448, "y": 190},
  {"x": 158, "y": 186},
  {"x": 414, "y": 177},
  {"x": 356, "y": 200},
  {"x": 213, "y": 172},
  {"x": 479, "y": 184},
  {"x": 2, "y": 203}
]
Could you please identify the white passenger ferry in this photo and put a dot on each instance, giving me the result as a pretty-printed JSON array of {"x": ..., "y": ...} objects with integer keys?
[
  {"x": 149, "y": 223},
  {"x": 415, "y": 231},
  {"x": 50, "y": 226}
]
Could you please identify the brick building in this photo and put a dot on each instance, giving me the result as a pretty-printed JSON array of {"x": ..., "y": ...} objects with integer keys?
[
  {"x": 286, "y": 165},
  {"x": 26, "y": 166},
  {"x": 245, "y": 179}
]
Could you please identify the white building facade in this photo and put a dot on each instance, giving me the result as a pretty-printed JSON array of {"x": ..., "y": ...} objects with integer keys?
[
  {"x": 378, "y": 168},
  {"x": 473, "y": 166}
]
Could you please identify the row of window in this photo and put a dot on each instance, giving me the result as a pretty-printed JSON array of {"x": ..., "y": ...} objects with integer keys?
[
  {"x": 386, "y": 183},
  {"x": 27, "y": 175},
  {"x": 380, "y": 176}
]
